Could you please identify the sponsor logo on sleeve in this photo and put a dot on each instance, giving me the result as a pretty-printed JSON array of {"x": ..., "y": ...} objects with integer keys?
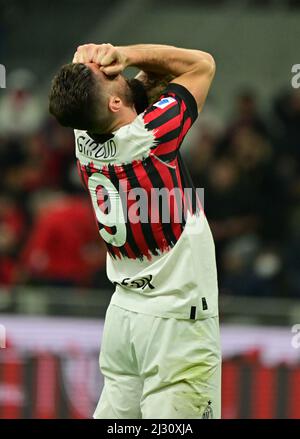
[{"x": 164, "y": 102}]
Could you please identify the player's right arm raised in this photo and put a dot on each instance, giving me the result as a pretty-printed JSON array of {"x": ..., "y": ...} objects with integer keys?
[{"x": 193, "y": 69}]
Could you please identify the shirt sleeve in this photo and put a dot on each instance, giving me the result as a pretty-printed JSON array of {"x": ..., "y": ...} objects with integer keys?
[{"x": 170, "y": 118}]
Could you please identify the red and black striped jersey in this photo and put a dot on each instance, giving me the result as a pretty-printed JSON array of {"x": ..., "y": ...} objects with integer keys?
[
  {"x": 160, "y": 248},
  {"x": 142, "y": 156}
]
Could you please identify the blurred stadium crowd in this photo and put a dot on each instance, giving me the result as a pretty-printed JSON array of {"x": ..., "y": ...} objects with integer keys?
[{"x": 248, "y": 166}]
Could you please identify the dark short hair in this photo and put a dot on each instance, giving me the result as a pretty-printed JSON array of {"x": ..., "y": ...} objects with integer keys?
[{"x": 75, "y": 97}]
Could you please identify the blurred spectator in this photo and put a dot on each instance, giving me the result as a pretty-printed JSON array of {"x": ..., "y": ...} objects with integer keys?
[
  {"x": 229, "y": 204},
  {"x": 63, "y": 248},
  {"x": 250, "y": 269},
  {"x": 261, "y": 184},
  {"x": 12, "y": 226},
  {"x": 292, "y": 246},
  {"x": 287, "y": 111},
  {"x": 20, "y": 109},
  {"x": 246, "y": 115}
]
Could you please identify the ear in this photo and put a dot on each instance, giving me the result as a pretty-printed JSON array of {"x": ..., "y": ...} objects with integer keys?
[{"x": 114, "y": 104}]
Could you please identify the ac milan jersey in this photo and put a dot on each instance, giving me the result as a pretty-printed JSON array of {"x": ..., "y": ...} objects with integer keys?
[{"x": 160, "y": 249}]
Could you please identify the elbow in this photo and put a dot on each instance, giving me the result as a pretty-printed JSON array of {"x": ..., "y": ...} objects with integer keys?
[
  {"x": 207, "y": 63},
  {"x": 212, "y": 63}
]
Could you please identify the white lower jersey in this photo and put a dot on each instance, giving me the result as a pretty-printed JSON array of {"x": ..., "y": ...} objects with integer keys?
[{"x": 181, "y": 283}]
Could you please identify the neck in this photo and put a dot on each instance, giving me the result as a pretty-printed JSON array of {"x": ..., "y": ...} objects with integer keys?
[{"x": 123, "y": 119}]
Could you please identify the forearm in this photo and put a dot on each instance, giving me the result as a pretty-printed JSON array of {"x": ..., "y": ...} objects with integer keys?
[{"x": 165, "y": 59}]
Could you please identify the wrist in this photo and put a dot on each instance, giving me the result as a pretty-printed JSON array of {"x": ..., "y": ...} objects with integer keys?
[
  {"x": 133, "y": 56},
  {"x": 125, "y": 55}
]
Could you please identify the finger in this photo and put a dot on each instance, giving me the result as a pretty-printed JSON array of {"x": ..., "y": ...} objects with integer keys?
[
  {"x": 75, "y": 58},
  {"x": 84, "y": 53},
  {"x": 107, "y": 60},
  {"x": 81, "y": 57},
  {"x": 89, "y": 51},
  {"x": 97, "y": 55},
  {"x": 79, "y": 53},
  {"x": 109, "y": 57},
  {"x": 102, "y": 52},
  {"x": 111, "y": 70}
]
